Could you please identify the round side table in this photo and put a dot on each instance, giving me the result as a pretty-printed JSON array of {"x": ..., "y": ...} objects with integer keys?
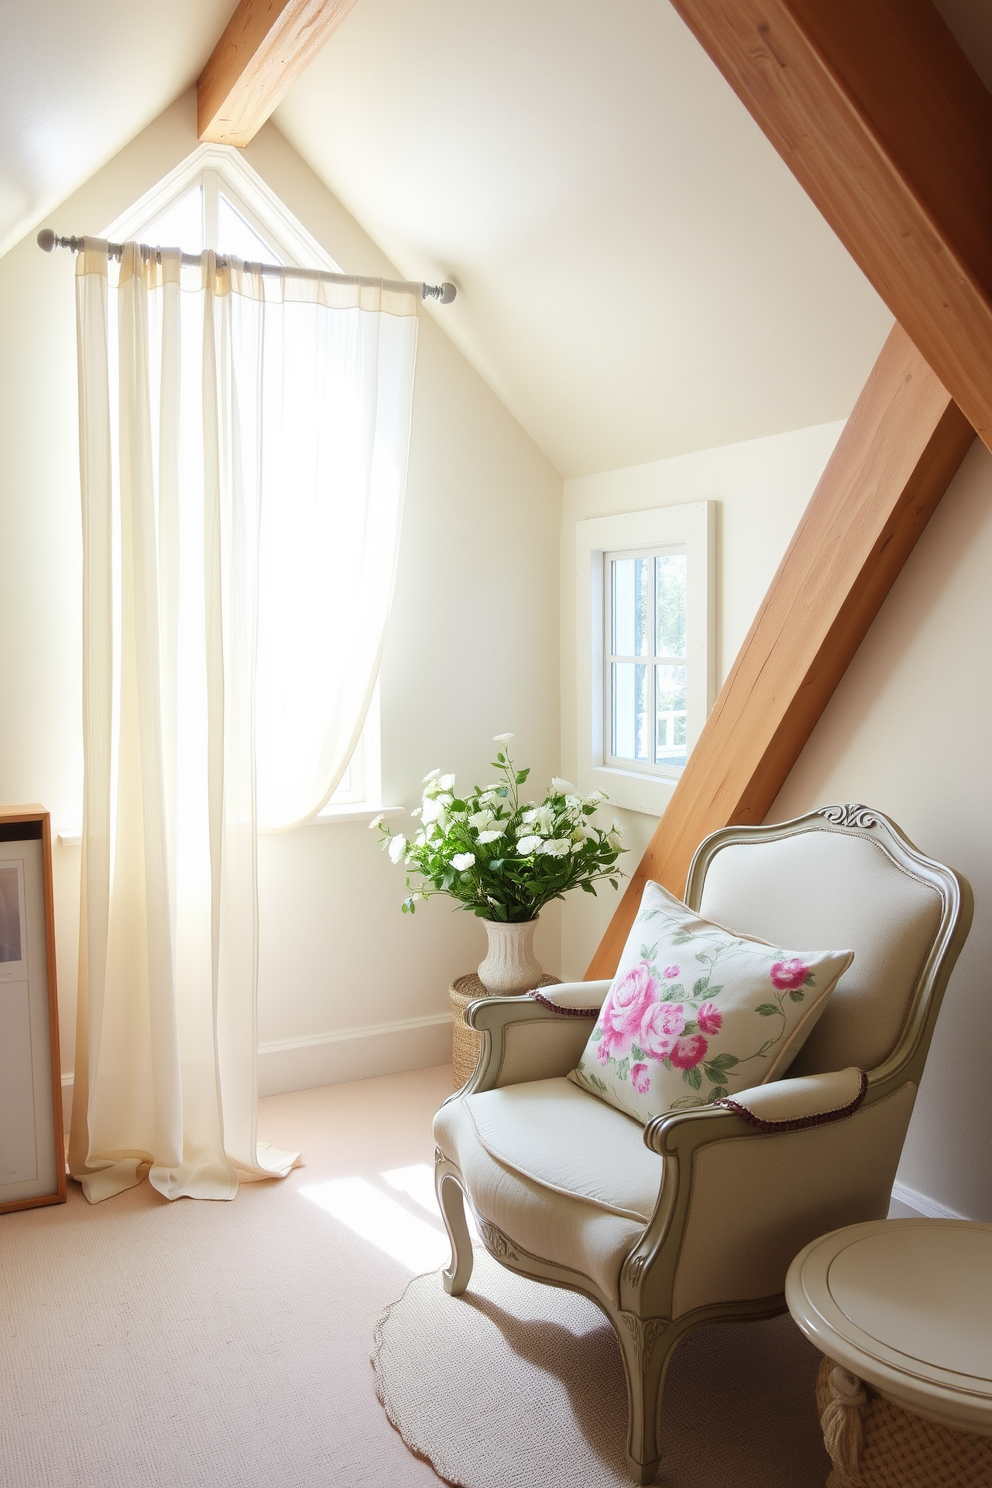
[
  {"x": 465, "y": 1042},
  {"x": 902, "y": 1311}
]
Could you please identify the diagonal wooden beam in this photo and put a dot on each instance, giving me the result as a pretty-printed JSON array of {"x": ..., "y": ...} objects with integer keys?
[
  {"x": 903, "y": 442},
  {"x": 880, "y": 116},
  {"x": 265, "y": 47}
]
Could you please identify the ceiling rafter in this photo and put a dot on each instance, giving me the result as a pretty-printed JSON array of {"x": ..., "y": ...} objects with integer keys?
[
  {"x": 265, "y": 47},
  {"x": 882, "y": 119},
  {"x": 898, "y": 452}
]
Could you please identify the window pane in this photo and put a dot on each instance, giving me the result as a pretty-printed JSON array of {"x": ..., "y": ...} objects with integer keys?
[
  {"x": 179, "y": 225},
  {"x": 670, "y": 721},
  {"x": 630, "y": 730},
  {"x": 236, "y": 237},
  {"x": 670, "y": 591},
  {"x": 631, "y": 606}
]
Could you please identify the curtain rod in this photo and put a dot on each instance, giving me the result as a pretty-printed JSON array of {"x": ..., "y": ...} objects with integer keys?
[{"x": 49, "y": 240}]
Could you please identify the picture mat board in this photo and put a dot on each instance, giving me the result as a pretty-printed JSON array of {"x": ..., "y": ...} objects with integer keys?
[
  {"x": 13, "y": 924},
  {"x": 29, "y": 1163}
]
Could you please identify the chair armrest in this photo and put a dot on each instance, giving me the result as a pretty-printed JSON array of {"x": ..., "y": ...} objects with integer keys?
[
  {"x": 574, "y": 997},
  {"x": 524, "y": 1039},
  {"x": 781, "y": 1105},
  {"x": 807, "y": 1100}
]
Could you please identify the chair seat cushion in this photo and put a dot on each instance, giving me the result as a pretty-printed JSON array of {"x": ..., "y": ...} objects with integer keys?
[
  {"x": 589, "y": 1230},
  {"x": 563, "y": 1138}
]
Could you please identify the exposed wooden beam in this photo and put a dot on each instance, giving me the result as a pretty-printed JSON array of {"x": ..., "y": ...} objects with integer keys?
[
  {"x": 880, "y": 116},
  {"x": 899, "y": 450},
  {"x": 265, "y": 47}
]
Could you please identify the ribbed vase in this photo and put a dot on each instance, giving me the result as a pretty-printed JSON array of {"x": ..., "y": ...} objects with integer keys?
[{"x": 510, "y": 966}]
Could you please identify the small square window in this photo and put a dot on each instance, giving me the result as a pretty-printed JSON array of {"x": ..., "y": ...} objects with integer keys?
[
  {"x": 645, "y": 682},
  {"x": 645, "y": 648}
]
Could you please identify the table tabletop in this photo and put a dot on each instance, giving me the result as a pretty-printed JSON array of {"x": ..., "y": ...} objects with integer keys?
[{"x": 905, "y": 1304}]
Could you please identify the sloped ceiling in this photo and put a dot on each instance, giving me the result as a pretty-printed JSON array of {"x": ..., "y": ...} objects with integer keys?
[
  {"x": 639, "y": 274},
  {"x": 78, "y": 81}
]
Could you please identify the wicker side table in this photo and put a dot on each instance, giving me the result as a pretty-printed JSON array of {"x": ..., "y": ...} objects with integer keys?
[
  {"x": 465, "y": 1042},
  {"x": 902, "y": 1311}
]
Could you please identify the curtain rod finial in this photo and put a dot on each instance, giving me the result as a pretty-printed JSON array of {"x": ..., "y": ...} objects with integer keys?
[
  {"x": 47, "y": 239},
  {"x": 443, "y": 293}
]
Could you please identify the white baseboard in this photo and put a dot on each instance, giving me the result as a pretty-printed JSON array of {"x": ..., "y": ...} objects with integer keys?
[
  {"x": 922, "y": 1204},
  {"x": 333, "y": 1058},
  {"x": 354, "y": 1054}
]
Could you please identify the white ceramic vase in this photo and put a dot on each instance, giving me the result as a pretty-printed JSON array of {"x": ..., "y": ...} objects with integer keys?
[{"x": 510, "y": 966}]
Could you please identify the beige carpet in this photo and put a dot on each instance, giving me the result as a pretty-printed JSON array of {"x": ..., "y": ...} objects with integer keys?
[
  {"x": 211, "y": 1345},
  {"x": 223, "y": 1345}
]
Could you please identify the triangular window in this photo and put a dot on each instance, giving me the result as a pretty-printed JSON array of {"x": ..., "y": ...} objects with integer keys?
[{"x": 214, "y": 199}]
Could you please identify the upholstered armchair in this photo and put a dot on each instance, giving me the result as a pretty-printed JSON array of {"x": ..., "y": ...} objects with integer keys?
[{"x": 696, "y": 1217}]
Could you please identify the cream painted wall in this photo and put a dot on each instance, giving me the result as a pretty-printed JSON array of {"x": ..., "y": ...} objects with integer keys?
[
  {"x": 762, "y": 487},
  {"x": 908, "y": 731},
  {"x": 460, "y": 663}
]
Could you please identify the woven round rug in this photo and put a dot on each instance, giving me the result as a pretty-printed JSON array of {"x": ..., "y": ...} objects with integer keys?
[{"x": 515, "y": 1384}]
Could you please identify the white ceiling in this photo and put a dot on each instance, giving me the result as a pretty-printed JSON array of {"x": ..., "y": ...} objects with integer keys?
[
  {"x": 639, "y": 274},
  {"x": 78, "y": 81}
]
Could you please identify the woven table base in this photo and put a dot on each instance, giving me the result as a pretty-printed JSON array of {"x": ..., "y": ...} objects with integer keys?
[
  {"x": 905, "y": 1451},
  {"x": 465, "y": 1042}
]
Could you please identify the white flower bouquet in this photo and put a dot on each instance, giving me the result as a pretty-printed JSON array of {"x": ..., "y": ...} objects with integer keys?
[{"x": 503, "y": 859}]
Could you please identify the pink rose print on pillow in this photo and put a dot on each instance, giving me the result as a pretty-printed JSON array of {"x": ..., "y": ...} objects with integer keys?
[
  {"x": 629, "y": 999},
  {"x": 710, "y": 1018},
  {"x": 612, "y": 1042},
  {"x": 640, "y": 1078},
  {"x": 789, "y": 976},
  {"x": 688, "y": 1051},
  {"x": 671, "y": 972},
  {"x": 660, "y": 1028}
]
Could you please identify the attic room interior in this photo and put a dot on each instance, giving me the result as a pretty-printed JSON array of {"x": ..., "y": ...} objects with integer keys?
[{"x": 537, "y": 458}]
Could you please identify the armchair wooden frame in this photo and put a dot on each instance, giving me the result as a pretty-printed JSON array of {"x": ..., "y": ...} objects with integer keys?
[{"x": 646, "y": 1321}]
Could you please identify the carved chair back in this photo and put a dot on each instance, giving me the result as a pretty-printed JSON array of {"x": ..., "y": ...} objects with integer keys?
[{"x": 845, "y": 877}]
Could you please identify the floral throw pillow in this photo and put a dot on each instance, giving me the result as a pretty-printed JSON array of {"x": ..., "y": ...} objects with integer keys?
[{"x": 696, "y": 1012}]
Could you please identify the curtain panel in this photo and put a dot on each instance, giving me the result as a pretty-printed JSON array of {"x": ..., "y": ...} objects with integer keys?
[{"x": 243, "y": 451}]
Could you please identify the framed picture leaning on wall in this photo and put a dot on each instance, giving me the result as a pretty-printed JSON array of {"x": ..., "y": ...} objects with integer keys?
[{"x": 32, "y": 1154}]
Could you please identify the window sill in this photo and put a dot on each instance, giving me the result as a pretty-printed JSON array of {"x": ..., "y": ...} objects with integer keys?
[
  {"x": 353, "y": 811},
  {"x": 350, "y": 811},
  {"x": 631, "y": 789}
]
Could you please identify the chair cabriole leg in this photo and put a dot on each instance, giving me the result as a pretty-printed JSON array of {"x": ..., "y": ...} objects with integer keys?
[
  {"x": 458, "y": 1274},
  {"x": 646, "y": 1346}
]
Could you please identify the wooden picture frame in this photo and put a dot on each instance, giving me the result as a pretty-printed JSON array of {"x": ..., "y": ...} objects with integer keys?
[{"x": 32, "y": 1143}]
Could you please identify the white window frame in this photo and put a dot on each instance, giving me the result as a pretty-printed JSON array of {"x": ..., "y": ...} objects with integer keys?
[
  {"x": 221, "y": 165},
  {"x": 220, "y": 168},
  {"x": 650, "y": 660},
  {"x": 691, "y": 528}
]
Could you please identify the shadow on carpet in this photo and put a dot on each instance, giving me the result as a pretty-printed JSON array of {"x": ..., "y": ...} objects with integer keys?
[{"x": 516, "y": 1384}]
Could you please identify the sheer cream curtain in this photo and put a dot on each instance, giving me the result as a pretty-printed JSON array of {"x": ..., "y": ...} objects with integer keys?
[{"x": 243, "y": 463}]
